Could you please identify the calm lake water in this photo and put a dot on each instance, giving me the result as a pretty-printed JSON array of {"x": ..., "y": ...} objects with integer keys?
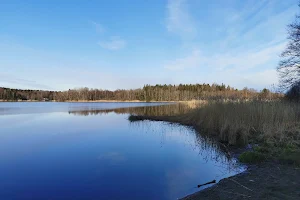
[{"x": 91, "y": 151}]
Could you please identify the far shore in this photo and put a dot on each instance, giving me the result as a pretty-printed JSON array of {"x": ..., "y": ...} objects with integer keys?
[
  {"x": 102, "y": 101},
  {"x": 118, "y": 101}
]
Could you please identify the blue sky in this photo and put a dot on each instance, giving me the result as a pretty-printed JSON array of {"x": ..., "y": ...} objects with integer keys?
[{"x": 111, "y": 44}]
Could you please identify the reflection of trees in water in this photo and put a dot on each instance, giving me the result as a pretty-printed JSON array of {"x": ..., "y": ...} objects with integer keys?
[
  {"x": 169, "y": 110},
  {"x": 207, "y": 148}
]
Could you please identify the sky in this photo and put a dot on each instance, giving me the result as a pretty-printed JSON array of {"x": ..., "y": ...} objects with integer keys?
[{"x": 123, "y": 44}]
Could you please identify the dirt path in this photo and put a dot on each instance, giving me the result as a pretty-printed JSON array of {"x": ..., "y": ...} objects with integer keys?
[{"x": 264, "y": 181}]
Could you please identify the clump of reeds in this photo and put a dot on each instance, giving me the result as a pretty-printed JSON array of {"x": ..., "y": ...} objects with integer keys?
[
  {"x": 239, "y": 122},
  {"x": 192, "y": 104}
]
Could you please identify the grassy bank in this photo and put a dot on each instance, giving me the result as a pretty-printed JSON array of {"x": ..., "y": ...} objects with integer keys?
[{"x": 272, "y": 128}]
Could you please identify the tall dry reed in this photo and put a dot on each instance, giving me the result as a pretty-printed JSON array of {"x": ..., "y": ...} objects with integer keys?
[{"x": 241, "y": 122}]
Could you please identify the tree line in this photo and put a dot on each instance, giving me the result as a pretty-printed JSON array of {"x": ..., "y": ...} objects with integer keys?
[{"x": 181, "y": 92}]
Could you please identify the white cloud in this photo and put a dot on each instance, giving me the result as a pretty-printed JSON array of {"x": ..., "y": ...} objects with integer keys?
[
  {"x": 262, "y": 78},
  {"x": 99, "y": 27},
  {"x": 190, "y": 61},
  {"x": 255, "y": 25},
  {"x": 249, "y": 59},
  {"x": 11, "y": 81},
  {"x": 179, "y": 19},
  {"x": 255, "y": 68},
  {"x": 244, "y": 49},
  {"x": 114, "y": 43},
  {"x": 232, "y": 60}
]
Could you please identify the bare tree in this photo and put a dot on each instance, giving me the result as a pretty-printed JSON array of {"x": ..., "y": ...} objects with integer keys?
[{"x": 289, "y": 66}]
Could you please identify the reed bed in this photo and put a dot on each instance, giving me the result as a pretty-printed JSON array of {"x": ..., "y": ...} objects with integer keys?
[{"x": 244, "y": 122}]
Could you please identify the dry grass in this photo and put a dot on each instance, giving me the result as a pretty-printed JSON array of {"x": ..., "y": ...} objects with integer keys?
[
  {"x": 195, "y": 103},
  {"x": 240, "y": 122}
]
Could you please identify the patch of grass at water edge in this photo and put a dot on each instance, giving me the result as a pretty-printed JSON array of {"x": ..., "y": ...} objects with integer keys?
[
  {"x": 251, "y": 157},
  {"x": 286, "y": 154}
]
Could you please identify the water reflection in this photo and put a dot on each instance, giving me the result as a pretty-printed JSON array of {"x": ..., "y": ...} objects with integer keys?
[
  {"x": 11, "y": 108},
  {"x": 210, "y": 157},
  {"x": 207, "y": 148},
  {"x": 167, "y": 110},
  {"x": 99, "y": 154}
]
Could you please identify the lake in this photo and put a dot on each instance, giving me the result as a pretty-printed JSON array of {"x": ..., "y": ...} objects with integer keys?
[{"x": 91, "y": 151}]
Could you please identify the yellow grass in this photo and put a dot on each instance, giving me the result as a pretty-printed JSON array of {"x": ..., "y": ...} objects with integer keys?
[{"x": 240, "y": 122}]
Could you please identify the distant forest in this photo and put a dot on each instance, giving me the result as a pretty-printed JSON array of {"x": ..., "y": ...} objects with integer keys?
[{"x": 182, "y": 92}]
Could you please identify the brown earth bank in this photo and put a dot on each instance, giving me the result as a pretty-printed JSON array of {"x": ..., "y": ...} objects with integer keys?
[{"x": 265, "y": 180}]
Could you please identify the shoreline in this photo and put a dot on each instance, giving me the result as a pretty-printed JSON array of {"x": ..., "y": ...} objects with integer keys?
[
  {"x": 100, "y": 101},
  {"x": 264, "y": 180},
  {"x": 267, "y": 180}
]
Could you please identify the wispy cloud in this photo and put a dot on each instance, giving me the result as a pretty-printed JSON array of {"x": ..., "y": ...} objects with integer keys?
[
  {"x": 114, "y": 43},
  {"x": 179, "y": 20},
  {"x": 255, "y": 68},
  {"x": 244, "y": 46},
  {"x": 99, "y": 28},
  {"x": 239, "y": 61},
  {"x": 7, "y": 80},
  {"x": 265, "y": 78},
  {"x": 255, "y": 24},
  {"x": 195, "y": 59}
]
